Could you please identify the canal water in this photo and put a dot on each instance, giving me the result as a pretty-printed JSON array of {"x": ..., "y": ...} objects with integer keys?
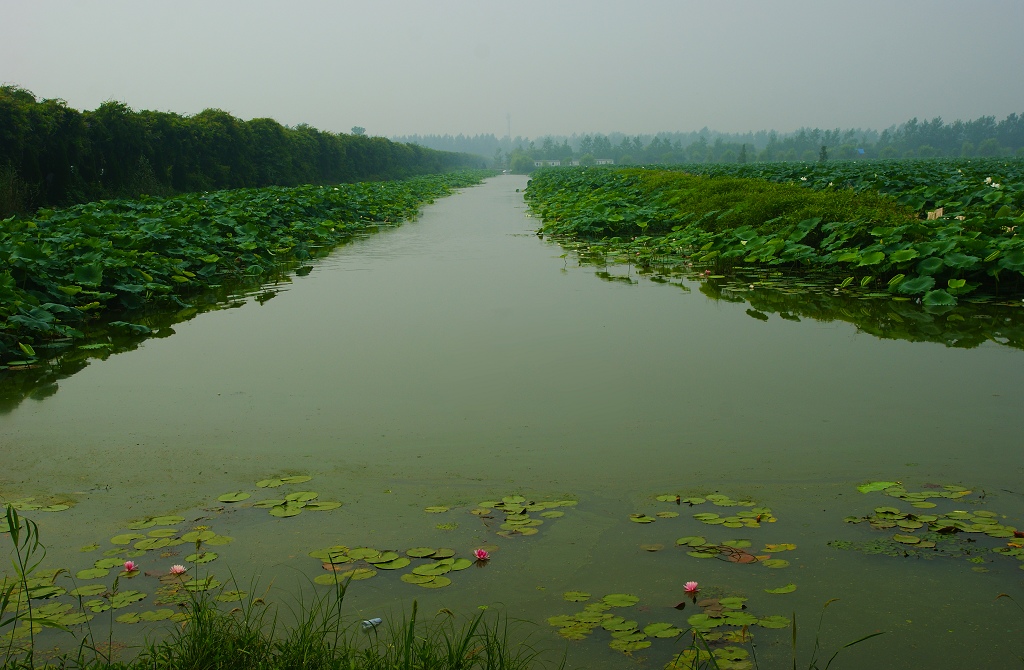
[{"x": 460, "y": 359}]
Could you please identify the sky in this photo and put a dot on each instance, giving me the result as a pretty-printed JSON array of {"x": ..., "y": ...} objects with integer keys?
[{"x": 400, "y": 67}]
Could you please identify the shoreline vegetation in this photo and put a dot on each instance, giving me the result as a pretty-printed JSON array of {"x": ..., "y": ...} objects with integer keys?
[
  {"x": 931, "y": 231},
  {"x": 67, "y": 268}
]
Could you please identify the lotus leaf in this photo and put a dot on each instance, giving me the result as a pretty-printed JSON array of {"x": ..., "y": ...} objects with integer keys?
[
  {"x": 92, "y": 573},
  {"x": 320, "y": 506},
  {"x": 131, "y": 617},
  {"x": 234, "y": 496},
  {"x": 90, "y": 590},
  {"x": 411, "y": 578},
  {"x": 576, "y": 596},
  {"x": 773, "y": 622},
  {"x": 167, "y": 520},
  {"x": 331, "y": 578},
  {"x": 152, "y": 543},
  {"x": 775, "y": 563},
  {"x": 420, "y": 552},
  {"x": 156, "y": 615},
  {"x": 444, "y": 553},
  {"x": 107, "y": 563},
  {"x": 668, "y": 497},
  {"x": 126, "y": 538},
  {"x": 737, "y": 544},
  {"x": 285, "y": 511},
  {"x": 198, "y": 536},
  {"x": 621, "y": 600},
  {"x": 383, "y": 557},
  {"x": 788, "y": 588},
  {"x": 74, "y": 619},
  {"x": 436, "y": 583},
  {"x": 574, "y": 632},
  {"x": 461, "y": 564},
  {"x": 395, "y": 564},
  {"x": 163, "y": 532},
  {"x": 691, "y": 541},
  {"x": 125, "y": 598},
  {"x": 552, "y": 514},
  {"x": 201, "y": 557},
  {"x": 302, "y": 496},
  {"x": 662, "y": 630},
  {"x": 629, "y": 646},
  {"x": 875, "y": 486},
  {"x": 436, "y": 509},
  {"x": 364, "y": 552},
  {"x": 96, "y": 605},
  {"x": 232, "y": 596}
]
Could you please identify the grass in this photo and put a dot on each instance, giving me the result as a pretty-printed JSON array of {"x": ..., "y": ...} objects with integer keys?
[{"x": 252, "y": 635}]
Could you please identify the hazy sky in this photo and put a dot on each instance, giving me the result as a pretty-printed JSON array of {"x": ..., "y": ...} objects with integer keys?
[{"x": 450, "y": 66}]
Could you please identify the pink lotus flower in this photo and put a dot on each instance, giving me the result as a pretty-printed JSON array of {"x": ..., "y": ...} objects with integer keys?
[
  {"x": 178, "y": 569},
  {"x": 690, "y": 588},
  {"x": 130, "y": 566},
  {"x": 482, "y": 555}
]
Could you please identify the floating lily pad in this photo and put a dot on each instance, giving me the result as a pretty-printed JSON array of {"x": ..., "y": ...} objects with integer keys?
[
  {"x": 125, "y": 598},
  {"x": 167, "y": 520},
  {"x": 775, "y": 563},
  {"x": 302, "y": 496},
  {"x": 219, "y": 540},
  {"x": 163, "y": 532},
  {"x": 702, "y": 554},
  {"x": 364, "y": 552},
  {"x": 461, "y": 564},
  {"x": 152, "y": 543},
  {"x": 641, "y": 518},
  {"x": 625, "y": 645},
  {"x": 661, "y": 630},
  {"x": 92, "y": 573},
  {"x": 74, "y": 618},
  {"x": 88, "y": 547},
  {"x": 107, "y": 563},
  {"x": 266, "y": 504},
  {"x": 232, "y": 596},
  {"x": 395, "y": 564},
  {"x": 132, "y": 617},
  {"x": 737, "y": 544},
  {"x": 156, "y": 615},
  {"x": 432, "y": 569},
  {"x": 668, "y": 497},
  {"x": 382, "y": 557},
  {"x": 198, "y": 536},
  {"x": 906, "y": 539},
  {"x": 922, "y": 504},
  {"x": 336, "y": 554},
  {"x": 875, "y": 486},
  {"x": 201, "y": 557},
  {"x": 126, "y": 538},
  {"x": 773, "y": 622},
  {"x": 285, "y": 511},
  {"x": 320, "y": 506},
  {"x": 621, "y": 600},
  {"x": 576, "y": 596},
  {"x": 234, "y": 496},
  {"x": 667, "y": 515},
  {"x": 788, "y": 588},
  {"x": 444, "y": 552},
  {"x": 331, "y": 578},
  {"x": 89, "y": 590},
  {"x": 436, "y": 583},
  {"x": 411, "y": 578},
  {"x": 269, "y": 483},
  {"x": 96, "y": 605},
  {"x": 552, "y": 514},
  {"x": 652, "y": 547},
  {"x": 436, "y": 509},
  {"x": 691, "y": 541},
  {"x": 420, "y": 552}
]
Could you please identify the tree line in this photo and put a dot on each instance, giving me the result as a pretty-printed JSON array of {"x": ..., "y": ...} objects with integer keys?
[
  {"x": 53, "y": 155},
  {"x": 981, "y": 137}
]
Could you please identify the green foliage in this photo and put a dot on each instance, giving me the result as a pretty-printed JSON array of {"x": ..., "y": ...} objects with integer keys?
[
  {"x": 63, "y": 266},
  {"x": 923, "y": 226},
  {"x": 52, "y": 155}
]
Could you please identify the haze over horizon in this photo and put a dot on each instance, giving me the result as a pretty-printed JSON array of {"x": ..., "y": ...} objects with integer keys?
[{"x": 404, "y": 68}]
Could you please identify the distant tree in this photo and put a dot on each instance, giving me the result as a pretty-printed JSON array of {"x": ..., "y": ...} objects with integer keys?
[
  {"x": 520, "y": 162},
  {"x": 587, "y": 159},
  {"x": 358, "y": 130},
  {"x": 743, "y": 154},
  {"x": 823, "y": 154}
]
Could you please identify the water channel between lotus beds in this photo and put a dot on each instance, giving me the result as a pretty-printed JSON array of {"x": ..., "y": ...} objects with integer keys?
[{"x": 459, "y": 358}]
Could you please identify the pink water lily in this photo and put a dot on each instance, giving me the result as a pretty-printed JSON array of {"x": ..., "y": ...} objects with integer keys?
[
  {"x": 482, "y": 555},
  {"x": 691, "y": 588},
  {"x": 178, "y": 569},
  {"x": 130, "y": 566}
]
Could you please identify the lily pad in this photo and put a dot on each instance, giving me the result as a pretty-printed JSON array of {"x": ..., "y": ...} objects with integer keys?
[
  {"x": 107, "y": 563},
  {"x": 875, "y": 486},
  {"x": 436, "y": 583},
  {"x": 621, "y": 600},
  {"x": 411, "y": 578},
  {"x": 773, "y": 622},
  {"x": 364, "y": 553},
  {"x": 302, "y": 496},
  {"x": 285, "y": 511},
  {"x": 691, "y": 541},
  {"x": 320, "y": 506},
  {"x": 126, "y": 538},
  {"x": 382, "y": 557},
  {"x": 219, "y": 540},
  {"x": 661, "y": 630},
  {"x": 395, "y": 564},
  {"x": 461, "y": 564},
  {"x": 552, "y": 514},
  {"x": 234, "y": 496},
  {"x": 444, "y": 552},
  {"x": 667, "y": 515},
  {"x": 641, "y": 518},
  {"x": 167, "y": 520},
  {"x": 131, "y": 617},
  {"x": 156, "y": 615},
  {"x": 788, "y": 588},
  {"x": 89, "y": 590},
  {"x": 576, "y": 596},
  {"x": 668, "y": 497},
  {"x": 436, "y": 509},
  {"x": 89, "y": 547},
  {"x": 906, "y": 539},
  {"x": 775, "y": 563},
  {"x": 420, "y": 552},
  {"x": 652, "y": 547},
  {"x": 201, "y": 557},
  {"x": 163, "y": 532},
  {"x": 92, "y": 573}
]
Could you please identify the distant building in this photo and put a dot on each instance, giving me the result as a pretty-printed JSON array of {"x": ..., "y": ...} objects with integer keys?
[
  {"x": 546, "y": 163},
  {"x": 604, "y": 161}
]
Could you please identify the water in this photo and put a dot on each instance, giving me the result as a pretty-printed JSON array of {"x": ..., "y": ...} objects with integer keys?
[{"x": 459, "y": 358}]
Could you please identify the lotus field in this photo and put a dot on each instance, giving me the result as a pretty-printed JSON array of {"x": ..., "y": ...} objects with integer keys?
[
  {"x": 933, "y": 231},
  {"x": 65, "y": 267}
]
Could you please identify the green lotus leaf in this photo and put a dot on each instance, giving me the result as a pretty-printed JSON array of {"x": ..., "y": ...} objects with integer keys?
[
  {"x": 737, "y": 544},
  {"x": 107, "y": 563},
  {"x": 552, "y": 514},
  {"x": 74, "y": 619},
  {"x": 234, "y": 496},
  {"x": 364, "y": 552},
  {"x": 733, "y": 603},
  {"x": 788, "y": 588},
  {"x": 444, "y": 553},
  {"x": 434, "y": 569},
  {"x": 773, "y": 622},
  {"x": 266, "y": 504},
  {"x": 739, "y": 619},
  {"x": 320, "y": 506},
  {"x": 232, "y": 596},
  {"x": 693, "y": 501},
  {"x": 88, "y": 547},
  {"x": 167, "y": 520},
  {"x": 269, "y": 483},
  {"x": 126, "y": 538},
  {"x": 576, "y": 596},
  {"x": 331, "y": 578},
  {"x": 131, "y": 617},
  {"x": 92, "y": 573},
  {"x": 629, "y": 646},
  {"x": 198, "y": 536},
  {"x": 420, "y": 552},
  {"x": 775, "y": 563},
  {"x": 219, "y": 540},
  {"x": 702, "y": 554},
  {"x": 89, "y": 590},
  {"x": 395, "y": 564},
  {"x": 661, "y": 630},
  {"x": 285, "y": 511},
  {"x": 461, "y": 564},
  {"x": 201, "y": 557},
  {"x": 302, "y": 496},
  {"x": 691, "y": 541},
  {"x": 163, "y": 532},
  {"x": 125, "y": 598},
  {"x": 906, "y": 539},
  {"x": 621, "y": 600},
  {"x": 156, "y": 615},
  {"x": 875, "y": 486},
  {"x": 436, "y": 509},
  {"x": 513, "y": 499},
  {"x": 411, "y": 578},
  {"x": 152, "y": 543},
  {"x": 436, "y": 583},
  {"x": 296, "y": 479},
  {"x": 382, "y": 557}
]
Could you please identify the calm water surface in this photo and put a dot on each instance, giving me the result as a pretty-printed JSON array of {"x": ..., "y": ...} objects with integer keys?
[{"x": 460, "y": 358}]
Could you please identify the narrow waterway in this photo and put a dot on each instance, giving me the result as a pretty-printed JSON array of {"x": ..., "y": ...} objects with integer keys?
[{"x": 459, "y": 358}]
